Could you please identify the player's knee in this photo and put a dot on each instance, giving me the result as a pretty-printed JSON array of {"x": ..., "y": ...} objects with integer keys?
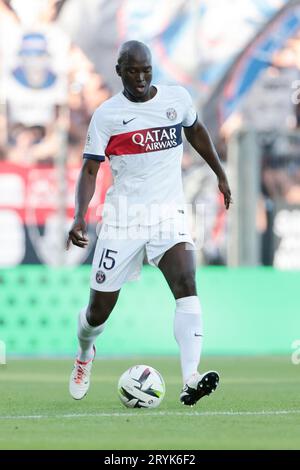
[{"x": 185, "y": 285}]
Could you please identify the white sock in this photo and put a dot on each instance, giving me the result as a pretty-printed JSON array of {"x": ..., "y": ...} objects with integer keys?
[
  {"x": 188, "y": 333},
  {"x": 87, "y": 336}
]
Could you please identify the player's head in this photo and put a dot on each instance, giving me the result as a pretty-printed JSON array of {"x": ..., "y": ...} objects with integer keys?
[{"x": 135, "y": 69}]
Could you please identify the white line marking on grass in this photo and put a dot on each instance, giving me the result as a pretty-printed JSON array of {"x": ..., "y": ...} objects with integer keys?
[
  {"x": 52, "y": 378},
  {"x": 153, "y": 414}
]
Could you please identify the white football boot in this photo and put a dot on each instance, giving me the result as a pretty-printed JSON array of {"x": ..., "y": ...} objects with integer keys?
[
  {"x": 80, "y": 378},
  {"x": 198, "y": 386}
]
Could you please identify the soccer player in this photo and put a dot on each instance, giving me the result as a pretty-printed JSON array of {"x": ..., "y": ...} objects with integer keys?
[{"x": 139, "y": 130}]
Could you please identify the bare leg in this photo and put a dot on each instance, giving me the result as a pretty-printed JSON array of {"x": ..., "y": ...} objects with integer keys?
[
  {"x": 100, "y": 306},
  {"x": 178, "y": 266}
]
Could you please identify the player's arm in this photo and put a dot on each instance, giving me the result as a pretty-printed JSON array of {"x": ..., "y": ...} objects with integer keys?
[
  {"x": 198, "y": 136},
  {"x": 85, "y": 189}
]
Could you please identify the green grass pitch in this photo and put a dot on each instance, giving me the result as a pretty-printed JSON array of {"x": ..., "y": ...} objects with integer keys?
[{"x": 255, "y": 407}]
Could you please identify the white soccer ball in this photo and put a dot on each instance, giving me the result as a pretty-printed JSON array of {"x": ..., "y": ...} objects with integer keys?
[{"x": 141, "y": 387}]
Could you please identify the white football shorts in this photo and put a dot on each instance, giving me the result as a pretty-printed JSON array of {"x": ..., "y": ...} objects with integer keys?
[{"x": 120, "y": 251}]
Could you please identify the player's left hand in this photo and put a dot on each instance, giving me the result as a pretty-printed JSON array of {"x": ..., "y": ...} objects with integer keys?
[{"x": 225, "y": 190}]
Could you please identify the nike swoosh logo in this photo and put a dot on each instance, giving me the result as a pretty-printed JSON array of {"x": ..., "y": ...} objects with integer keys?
[
  {"x": 197, "y": 335},
  {"x": 126, "y": 122}
]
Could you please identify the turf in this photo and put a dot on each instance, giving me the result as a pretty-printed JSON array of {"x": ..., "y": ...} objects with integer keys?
[{"x": 256, "y": 407}]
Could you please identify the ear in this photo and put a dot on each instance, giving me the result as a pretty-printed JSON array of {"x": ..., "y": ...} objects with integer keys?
[{"x": 118, "y": 70}]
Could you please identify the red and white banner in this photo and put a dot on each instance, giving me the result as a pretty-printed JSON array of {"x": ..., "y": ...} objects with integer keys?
[{"x": 30, "y": 202}]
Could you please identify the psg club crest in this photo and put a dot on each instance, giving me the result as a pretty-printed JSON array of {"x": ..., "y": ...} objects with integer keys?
[
  {"x": 100, "y": 277},
  {"x": 171, "y": 114}
]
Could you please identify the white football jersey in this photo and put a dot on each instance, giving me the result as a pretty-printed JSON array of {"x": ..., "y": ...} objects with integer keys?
[{"x": 144, "y": 145}]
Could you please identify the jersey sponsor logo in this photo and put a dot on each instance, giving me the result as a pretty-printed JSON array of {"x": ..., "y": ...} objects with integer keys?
[{"x": 145, "y": 140}]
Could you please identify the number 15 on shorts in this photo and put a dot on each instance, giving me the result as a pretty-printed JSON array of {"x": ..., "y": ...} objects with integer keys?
[{"x": 107, "y": 260}]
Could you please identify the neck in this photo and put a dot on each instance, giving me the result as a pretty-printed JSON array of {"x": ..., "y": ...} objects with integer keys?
[{"x": 149, "y": 95}]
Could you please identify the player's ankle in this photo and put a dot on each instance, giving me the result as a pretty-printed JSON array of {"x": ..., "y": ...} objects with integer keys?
[{"x": 86, "y": 355}]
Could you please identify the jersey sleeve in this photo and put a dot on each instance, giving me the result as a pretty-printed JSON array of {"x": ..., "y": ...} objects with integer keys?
[
  {"x": 97, "y": 137},
  {"x": 190, "y": 114}
]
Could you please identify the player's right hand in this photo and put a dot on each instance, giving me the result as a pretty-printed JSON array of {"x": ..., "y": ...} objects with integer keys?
[
  {"x": 78, "y": 234},
  {"x": 225, "y": 190}
]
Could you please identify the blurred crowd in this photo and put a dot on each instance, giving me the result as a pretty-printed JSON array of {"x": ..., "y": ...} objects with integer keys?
[
  {"x": 48, "y": 92},
  {"x": 281, "y": 167},
  {"x": 49, "y": 89},
  {"x": 280, "y": 146}
]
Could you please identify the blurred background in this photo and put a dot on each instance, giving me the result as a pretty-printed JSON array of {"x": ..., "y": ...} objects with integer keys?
[{"x": 240, "y": 61}]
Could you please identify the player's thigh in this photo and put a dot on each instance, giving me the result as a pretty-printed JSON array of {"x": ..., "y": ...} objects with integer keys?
[{"x": 178, "y": 265}]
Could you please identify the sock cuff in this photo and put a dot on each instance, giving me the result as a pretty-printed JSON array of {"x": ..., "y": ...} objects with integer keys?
[
  {"x": 188, "y": 305},
  {"x": 85, "y": 324}
]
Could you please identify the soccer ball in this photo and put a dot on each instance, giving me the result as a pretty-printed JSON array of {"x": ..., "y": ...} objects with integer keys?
[{"x": 141, "y": 387}]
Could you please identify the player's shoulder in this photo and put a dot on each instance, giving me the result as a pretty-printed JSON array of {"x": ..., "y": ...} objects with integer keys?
[
  {"x": 108, "y": 105},
  {"x": 106, "y": 112},
  {"x": 176, "y": 91}
]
